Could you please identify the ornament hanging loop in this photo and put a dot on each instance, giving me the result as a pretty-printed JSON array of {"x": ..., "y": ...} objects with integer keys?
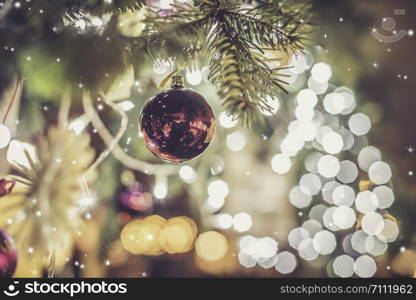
[{"x": 177, "y": 82}]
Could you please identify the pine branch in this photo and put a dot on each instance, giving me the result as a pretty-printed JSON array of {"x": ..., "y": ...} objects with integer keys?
[
  {"x": 178, "y": 35},
  {"x": 269, "y": 25},
  {"x": 96, "y": 7},
  {"x": 234, "y": 38},
  {"x": 226, "y": 71},
  {"x": 237, "y": 43}
]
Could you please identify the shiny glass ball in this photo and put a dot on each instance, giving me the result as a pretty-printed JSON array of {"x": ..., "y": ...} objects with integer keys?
[{"x": 177, "y": 124}]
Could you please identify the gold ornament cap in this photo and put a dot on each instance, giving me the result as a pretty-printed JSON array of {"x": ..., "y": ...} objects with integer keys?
[{"x": 177, "y": 82}]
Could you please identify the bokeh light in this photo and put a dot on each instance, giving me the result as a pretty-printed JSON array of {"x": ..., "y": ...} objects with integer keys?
[
  {"x": 328, "y": 189},
  {"x": 372, "y": 223},
  {"x": 5, "y": 136},
  {"x": 365, "y": 266},
  {"x": 334, "y": 103},
  {"x": 281, "y": 163},
  {"x": 379, "y": 172},
  {"x": 328, "y": 166},
  {"x": 226, "y": 120},
  {"x": 367, "y": 156},
  {"x": 321, "y": 72},
  {"x": 307, "y": 250},
  {"x": 286, "y": 262},
  {"x": 218, "y": 189},
  {"x": 211, "y": 245},
  {"x": 274, "y": 106},
  {"x": 344, "y": 266},
  {"x": 242, "y": 222},
  {"x": 324, "y": 242},
  {"x": 343, "y": 195},
  {"x": 359, "y": 124},
  {"x": 307, "y": 97},
  {"x": 298, "y": 198},
  {"x": 236, "y": 141},
  {"x": 332, "y": 142},
  {"x": 296, "y": 236},
  {"x": 193, "y": 77},
  {"x": 348, "y": 172},
  {"x": 385, "y": 196},
  {"x": 344, "y": 217},
  {"x": 366, "y": 202},
  {"x": 187, "y": 174}
]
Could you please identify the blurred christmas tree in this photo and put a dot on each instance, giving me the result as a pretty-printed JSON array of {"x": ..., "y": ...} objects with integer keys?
[{"x": 81, "y": 194}]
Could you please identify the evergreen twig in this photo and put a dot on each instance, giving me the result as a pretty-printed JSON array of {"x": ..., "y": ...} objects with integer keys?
[{"x": 234, "y": 36}]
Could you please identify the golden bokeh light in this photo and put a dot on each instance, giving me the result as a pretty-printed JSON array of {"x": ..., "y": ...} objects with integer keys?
[
  {"x": 141, "y": 237},
  {"x": 154, "y": 235},
  {"x": 211, "y": 246},
  {"x": 127, "y": 177},
  {"x": 156, "y": 220},
  {"x": 179, "y": 235},
  {"x": 365, "y": 185}
]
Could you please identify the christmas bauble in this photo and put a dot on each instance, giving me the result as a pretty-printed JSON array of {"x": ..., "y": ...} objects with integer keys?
[
  {"x": 177, "y": 124},
  {"x": 8, "y": 255}
]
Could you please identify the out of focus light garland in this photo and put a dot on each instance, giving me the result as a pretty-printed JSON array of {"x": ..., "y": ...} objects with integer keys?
[
  {"x": 351, "y": 222},
  {"x": 353, "y": 225}
]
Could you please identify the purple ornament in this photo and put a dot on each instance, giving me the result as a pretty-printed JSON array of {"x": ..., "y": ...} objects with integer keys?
[
  {"x": 177, "y": 124},
  {"x": 136, "y": 201},
  {"x": 6, "y": 186},
  {"x": 8, "y": 255}
]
